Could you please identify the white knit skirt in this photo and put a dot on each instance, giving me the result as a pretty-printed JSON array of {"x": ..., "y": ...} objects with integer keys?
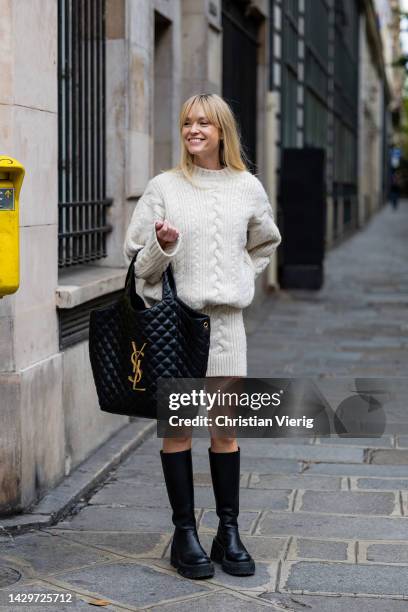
[{"x": 228, "y": 345}]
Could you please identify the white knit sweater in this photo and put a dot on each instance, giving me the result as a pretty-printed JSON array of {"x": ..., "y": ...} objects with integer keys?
[{"x": 227, "y": 235}]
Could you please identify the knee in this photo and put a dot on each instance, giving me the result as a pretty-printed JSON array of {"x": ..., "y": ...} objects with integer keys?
[
  {"x": 226, "y": 445},
  {"x": 177, "y": 444},
  {"x": 182, "y": 440}
]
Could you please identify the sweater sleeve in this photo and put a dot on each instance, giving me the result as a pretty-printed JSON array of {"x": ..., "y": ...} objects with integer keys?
[
  {"x": 152, "y": 260},
  {"x": 263, "y": 236}
]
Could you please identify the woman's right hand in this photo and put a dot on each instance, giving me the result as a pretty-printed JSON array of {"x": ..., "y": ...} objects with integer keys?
[{"x": 166, "y": 233}]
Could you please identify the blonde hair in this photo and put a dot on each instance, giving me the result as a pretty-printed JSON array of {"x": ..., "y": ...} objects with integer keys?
[{"x": 221, "y": 115}]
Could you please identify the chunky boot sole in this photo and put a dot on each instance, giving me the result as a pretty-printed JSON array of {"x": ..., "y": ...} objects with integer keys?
[
  {"x": 235, "y": 568},
  {"x": 203, "y": 570}
]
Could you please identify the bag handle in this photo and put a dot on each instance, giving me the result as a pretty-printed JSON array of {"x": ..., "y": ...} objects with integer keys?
[
  {"x": 169, "y": 290},
  {"x": 169, "y": 284}
]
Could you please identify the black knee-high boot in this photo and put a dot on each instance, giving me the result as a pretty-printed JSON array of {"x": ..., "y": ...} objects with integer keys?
[
  {"x": 227, "y": 547},
  {"x": 187, "y": 554}
]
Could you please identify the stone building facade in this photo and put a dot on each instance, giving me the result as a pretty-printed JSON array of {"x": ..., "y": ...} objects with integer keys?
[{"x": 156, "y": 54}]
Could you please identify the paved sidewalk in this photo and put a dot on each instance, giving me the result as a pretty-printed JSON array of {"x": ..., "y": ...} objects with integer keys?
[
  {"x": 325, "y": 518},
  {"x": 357, "y": 324}
]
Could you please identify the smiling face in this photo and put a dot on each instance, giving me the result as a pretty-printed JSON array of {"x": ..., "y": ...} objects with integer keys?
[{"x": 201, "y": 137}]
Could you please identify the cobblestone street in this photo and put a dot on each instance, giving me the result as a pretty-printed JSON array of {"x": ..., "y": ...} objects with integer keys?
[{"x": 326, "y": 519}]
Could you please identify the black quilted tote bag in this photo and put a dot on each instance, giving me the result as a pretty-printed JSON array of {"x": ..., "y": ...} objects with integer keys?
[{"x": 131, "y": 346}]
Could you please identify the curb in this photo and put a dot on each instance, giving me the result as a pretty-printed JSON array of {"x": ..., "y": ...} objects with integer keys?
[{"x": 58, "y": 502}]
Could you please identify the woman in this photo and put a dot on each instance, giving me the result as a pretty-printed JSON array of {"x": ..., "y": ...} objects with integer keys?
[{"x": 211, "y": 218}]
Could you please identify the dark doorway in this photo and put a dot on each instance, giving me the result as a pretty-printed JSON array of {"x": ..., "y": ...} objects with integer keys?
[{"x": 239, "y": 81}]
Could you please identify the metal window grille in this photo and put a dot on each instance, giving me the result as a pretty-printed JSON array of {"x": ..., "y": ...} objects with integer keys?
[
  {"x": 290, "y": 44},
  {"x": 82, "y": 202},
  {"x": 316, "y": 72},
  {"x": 346, "y": 108}
]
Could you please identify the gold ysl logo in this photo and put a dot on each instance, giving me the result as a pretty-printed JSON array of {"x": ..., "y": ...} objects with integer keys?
[{"x": 137, "y": 371}]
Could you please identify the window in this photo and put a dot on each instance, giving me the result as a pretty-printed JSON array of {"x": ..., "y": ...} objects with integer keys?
[
  {"x": 316, "y": 72},
  {"x": 290, "y": 36},
  {"x": 82, "y": 202}
]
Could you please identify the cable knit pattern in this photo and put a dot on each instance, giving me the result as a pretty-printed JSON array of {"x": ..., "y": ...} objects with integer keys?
[
  {"x": 195, "y": 253},
  {"x": 220, "y": 341},
  {"x": 227, "y": 234},
  {"x": 216, "y": 246}
]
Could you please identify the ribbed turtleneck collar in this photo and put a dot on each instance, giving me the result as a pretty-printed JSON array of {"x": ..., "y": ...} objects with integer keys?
[{"x": 212, "y": 174}]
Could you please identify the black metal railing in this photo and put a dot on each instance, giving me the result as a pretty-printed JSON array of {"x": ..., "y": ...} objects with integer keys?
[{"x": 82, "y": 202}]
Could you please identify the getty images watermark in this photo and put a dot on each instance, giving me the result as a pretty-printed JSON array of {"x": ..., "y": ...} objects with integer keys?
[
  {"x": 226, "y": 400},
  {"x": 281, "y": 407}
]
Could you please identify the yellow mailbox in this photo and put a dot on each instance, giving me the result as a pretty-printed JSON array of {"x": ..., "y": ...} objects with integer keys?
[{"x": 11, "y": 179}]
